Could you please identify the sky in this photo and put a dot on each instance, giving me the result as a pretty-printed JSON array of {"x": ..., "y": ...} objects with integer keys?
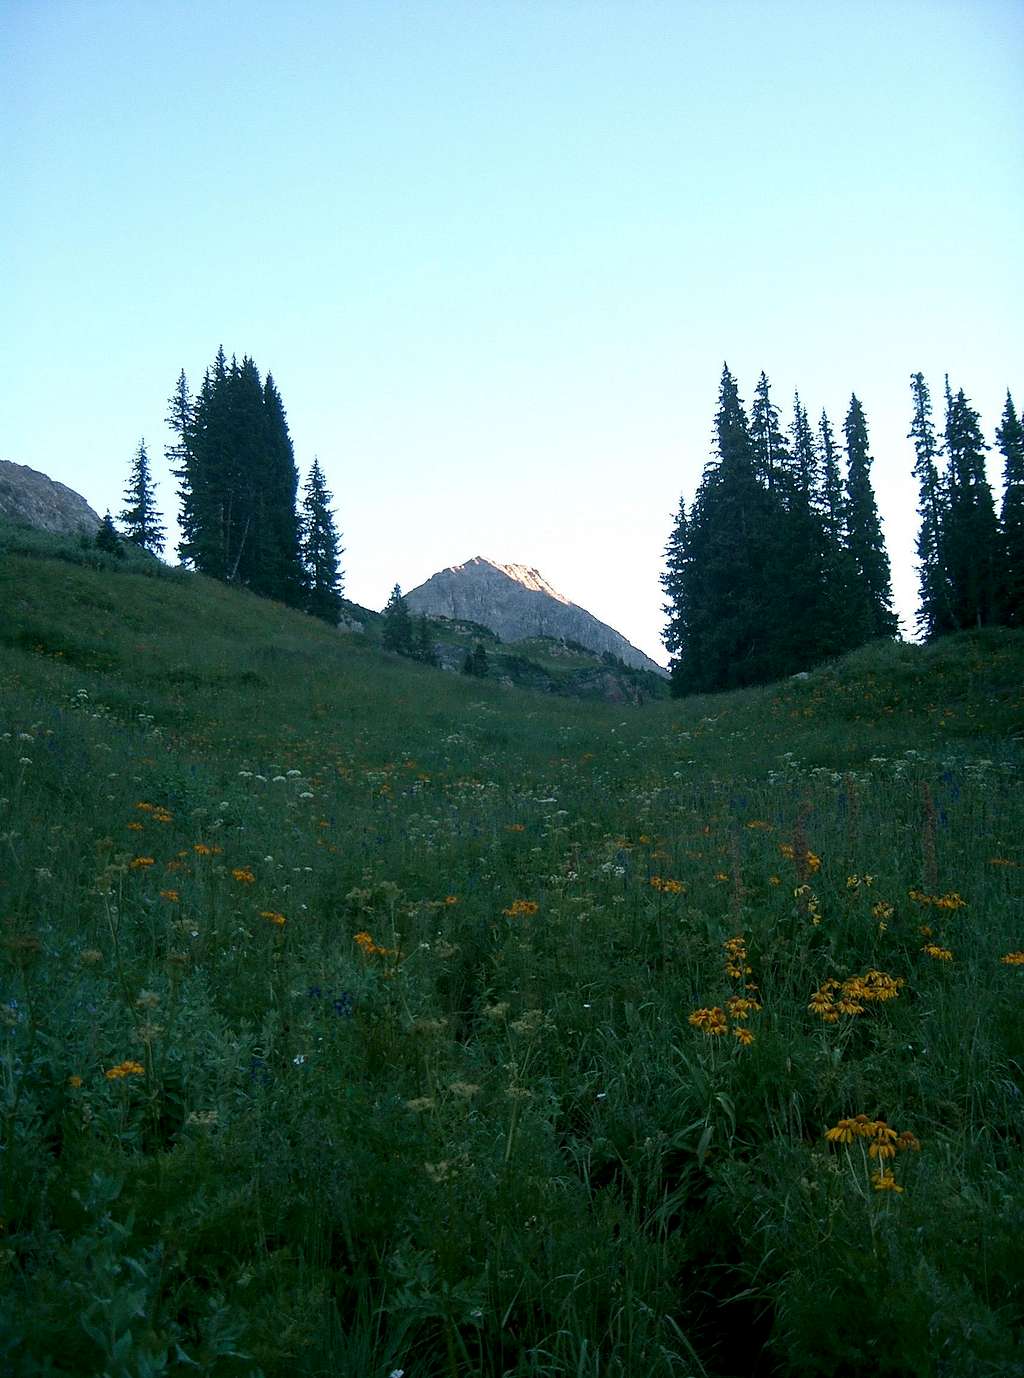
[{"x": 496, "y": 252}]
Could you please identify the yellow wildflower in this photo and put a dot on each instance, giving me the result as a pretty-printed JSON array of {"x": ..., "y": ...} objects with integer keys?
[
  {"x": 941, "y": 954},
  {"x": 520, "y": 908},
  {"x": 243, "y": 875},
  {"x": 129, "y": 1068},
  {"x": 1013, "y": 959},
  {"x": 272, "y": 916},
  {"x": 140, "y": 863},
  {"x": 884, "y": 1181}
]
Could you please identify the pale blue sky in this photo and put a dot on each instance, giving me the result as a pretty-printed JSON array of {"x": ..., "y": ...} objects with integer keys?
[{"x": 495, "y": 253}]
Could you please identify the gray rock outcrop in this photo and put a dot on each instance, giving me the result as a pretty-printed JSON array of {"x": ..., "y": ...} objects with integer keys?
[
  {"x": 29, "y": 497},
  {"x": 516, "y": 603}
]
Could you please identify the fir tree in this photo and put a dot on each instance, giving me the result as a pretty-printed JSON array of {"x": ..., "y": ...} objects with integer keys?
[
  {"x": 320, "y": 550},
  {"x": 107, "y": 538},
  {"x": 476, "y": 663},
  {"x": 424, "y": 642},
  {"x": 1010, "y": 439},
  {"x": 397, "y": 631},
  {"x": 140, "y": 521},
  {"x": 233, "y": 456},
  {"x": 871, "y": 611},
  {"x": 771, "y": 455},
  {"x": 935, "y": 614},
  {"x": 725, "y": 606},
  {"x": 839, "y": 571},
  {"x": 675, "y": 583},
  {"x": 970, "y": 536}
]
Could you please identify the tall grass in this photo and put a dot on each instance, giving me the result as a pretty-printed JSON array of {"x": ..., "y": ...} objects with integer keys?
[{"x": 346, "y": 1013}]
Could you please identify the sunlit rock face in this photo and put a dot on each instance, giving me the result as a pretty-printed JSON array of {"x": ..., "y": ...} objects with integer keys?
[
  {"x": 517, "y": 603},
  {"x": 29, "y": 497}
]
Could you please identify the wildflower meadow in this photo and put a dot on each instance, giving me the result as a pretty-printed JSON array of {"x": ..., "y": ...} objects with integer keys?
[{"x": 362, "y": 1020}]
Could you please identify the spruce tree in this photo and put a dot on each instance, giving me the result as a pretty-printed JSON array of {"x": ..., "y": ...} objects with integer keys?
[
  {"x": 971, "y": 533},
  {"x": 728, "y": 601},
  {"x": 871, "y": 612},
  {"x": 107, "y": 538},
  {"x": 397, "y": 630},
  {"x": 675, "y": 583},
  {"x": 838, "y": 571},
  {"x": 234, "y": 459},
  {"x": 771, "y": 455},
  {"x": 476, "y": 663},
  {"x": 424, "y": 642},
  {"x": 320, "y": 549},
  {"x": 1010, "y": 439},
  {"x": 140, "y": 521},
  {"x": 935, "y": 611}
]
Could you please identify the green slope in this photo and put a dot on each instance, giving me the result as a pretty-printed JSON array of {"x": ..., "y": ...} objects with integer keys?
[{"x": 394, "y": 971}]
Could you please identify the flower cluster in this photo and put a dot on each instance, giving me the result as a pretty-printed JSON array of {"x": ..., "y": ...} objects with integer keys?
[
  {"x": 950, "y": 900},
  {"x": 520, "y": 909},
  {"x": 883, "y": 1142},
  {"x": 272, "y": 916},
  {"x": 369, "y": 948},
  {"x": 1013, "y": 959},
  {"x": 666, "y": 886},
  {"x": 809, "y": 859},
  {"x": 156, "y": 812},
  {"x": 835, "y": 998},
  {"x": 243, "y": 875},
  {"x": 941, "y": 954},
  {"x": 129, "y": 1068}
]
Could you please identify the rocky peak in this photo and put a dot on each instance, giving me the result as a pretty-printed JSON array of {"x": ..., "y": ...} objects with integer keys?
[
  {"x": 517, "y": 602},
  {"x": 32, "y": 499}
]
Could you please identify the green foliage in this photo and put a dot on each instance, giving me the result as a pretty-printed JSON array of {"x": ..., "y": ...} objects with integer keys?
[
  {"x": 774, "y": 568},
  {"x": 1010, "y": 439},
  {"x": 140, "y": 521},
  {"x": 871, "y": 613},
  {"x": 397, "y": 629},
  {"x": 238, "y": 481},
  {"x": 476, "y": 663},
  {"x": 107, "y": 539},
  {"x": 319, "y": 550},
  {"x": 345, "y": 1006}
]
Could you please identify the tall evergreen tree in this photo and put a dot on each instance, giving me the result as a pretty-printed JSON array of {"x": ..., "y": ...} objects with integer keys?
[
  {"x": 771, "y": 455},
  {"x": 723, "y": 614},
  {"x": 320, "y": 549},
  {"x": 839, "y": 572},
  {"x": 871, "y": 611},
  {"x": 397, "y": 631},
  {"x": 140, "y": 521},
  {"x": 1010, "y": 439},
  {"x": 424, "y": 642},
  {"x": 935, "y": 609},
  {"x": 970, "y": 537},
  {"x": 233, "y": 456},
  {"x": 107, "y": 539},
  {"x": 676, "y": 584}
]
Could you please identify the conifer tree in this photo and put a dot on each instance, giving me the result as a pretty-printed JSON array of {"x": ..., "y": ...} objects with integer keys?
[
  {"x": 320, "y": 549},
  {"x": 872, "y": 612},
  {"x": 140, "y": 521},
  {"x": 397, "y": 630},
  {"x": 424, "y": 642},
  {"x": 107, "y": 538},
  {"x": 723, "y": 614},
  {"x": 839, "y": 572},
  {"x": 238, "y": 482},
  {"x": 675, "y": 583},
  {"x": 935, "y": 613},
  {"x": 476, "y": 663},
  {"x": 1010, "y": 439},
  {"x": 970, "y": 536},
  {"x": 771, "y": 455}
]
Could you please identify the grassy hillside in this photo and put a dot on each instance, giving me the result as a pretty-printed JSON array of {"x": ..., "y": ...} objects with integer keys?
[{"x": 358, "y": 1018}]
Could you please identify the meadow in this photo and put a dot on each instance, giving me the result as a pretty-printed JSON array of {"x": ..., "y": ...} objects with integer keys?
[{"x": 358, "y": 1019}]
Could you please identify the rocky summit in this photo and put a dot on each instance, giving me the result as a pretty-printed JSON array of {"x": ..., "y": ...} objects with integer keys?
[
  {"x": 517, "y": 603},
  {"x": 31, "y": 499}
]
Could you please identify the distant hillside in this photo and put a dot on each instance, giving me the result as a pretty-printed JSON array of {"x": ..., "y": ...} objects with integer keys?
[{"x": 517, "y": 603}]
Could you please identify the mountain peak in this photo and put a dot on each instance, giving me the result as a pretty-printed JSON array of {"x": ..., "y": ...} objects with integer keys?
[{"x": 516, "y": 602}]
